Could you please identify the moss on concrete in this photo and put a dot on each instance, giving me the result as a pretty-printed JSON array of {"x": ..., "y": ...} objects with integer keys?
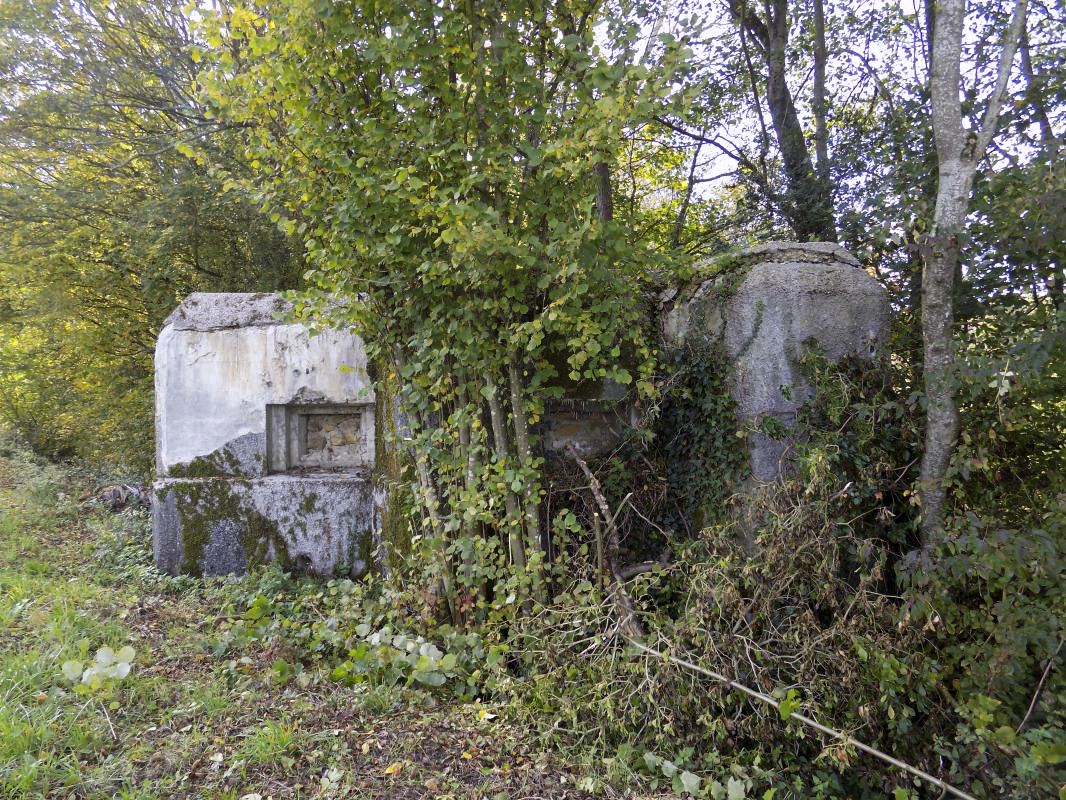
[
  {"x": 214, "y": 465},
  {"x": 263, "y": 542},
  {"x": 202, "y": 504}
]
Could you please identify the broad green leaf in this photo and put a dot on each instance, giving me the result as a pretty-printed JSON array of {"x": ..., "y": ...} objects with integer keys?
[
  {"x": 690, "y": 782},
  {"x": 735, "y": 789}
]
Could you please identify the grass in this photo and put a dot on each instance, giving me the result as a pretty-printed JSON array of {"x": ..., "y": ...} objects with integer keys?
[{"x": 194, "y": 719}]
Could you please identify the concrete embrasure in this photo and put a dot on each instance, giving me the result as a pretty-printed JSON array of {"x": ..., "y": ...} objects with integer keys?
[
  {"x": 594, "y": 425},
  {"x": 214, "y": 378},
  {"x": 764, "y": 309}
]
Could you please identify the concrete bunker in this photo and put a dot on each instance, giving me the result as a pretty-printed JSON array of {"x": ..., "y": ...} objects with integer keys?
[
  {"x": 764, "y": 308},
  {"x": 267, "y": 443},
  {"x": 265, "y": 446}
]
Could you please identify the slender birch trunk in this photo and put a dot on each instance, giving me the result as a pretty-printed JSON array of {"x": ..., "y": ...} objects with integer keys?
[
  {"x": 513, "y": 527},
  {"x": 468, "y": 454},
  {"x": 525, "y": 459},
  {"x": 959, "y": 151}
]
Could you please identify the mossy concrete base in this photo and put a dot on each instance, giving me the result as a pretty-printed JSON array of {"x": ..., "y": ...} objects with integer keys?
[{"x": 318, "y": 524}]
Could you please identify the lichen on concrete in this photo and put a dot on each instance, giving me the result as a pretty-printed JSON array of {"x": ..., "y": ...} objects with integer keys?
[{"x": 216, "y": 526}]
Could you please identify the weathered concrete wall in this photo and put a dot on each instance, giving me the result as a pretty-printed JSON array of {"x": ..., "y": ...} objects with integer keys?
[
  {"x": 222, "y": 358},
  {"x": 764, "y": 309},
  {"x": 264, "y": 442}
]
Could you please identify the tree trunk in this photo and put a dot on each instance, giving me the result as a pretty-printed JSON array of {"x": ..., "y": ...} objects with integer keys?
[
  {"x": 525, "y": 460},
  {"x": 809, "y": 207},
  {"x": 818, "y": 101},
  {"x": 958, "y": 153},
  {"x": 938, "y": 319},
  {"x": 513, "y": 526},
  {"x": 604, "y": 194},
  {"x": 1035, "y": 90},
  {"x": 679, "y": 224}
]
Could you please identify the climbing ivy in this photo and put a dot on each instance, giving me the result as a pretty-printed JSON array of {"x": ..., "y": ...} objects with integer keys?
[{"x": 700, "y": 442}]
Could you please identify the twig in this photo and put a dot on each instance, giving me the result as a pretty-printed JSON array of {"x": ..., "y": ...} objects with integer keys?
[
  {"x": 621, "y": 506},
  {"x": 629, "y": 623},
  {"x": 731, "y": 684},
  {"x": 657, "y": 527},
  {"x": 639, "y": 569},
  {"x": 108, "y": 718},
  {"x": 1039, "y": 687}
]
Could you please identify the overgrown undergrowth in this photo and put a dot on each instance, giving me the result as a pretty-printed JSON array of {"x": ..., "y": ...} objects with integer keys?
[
  {"x": 215, "y": 705},
  {"x": 811, "y": 591}
]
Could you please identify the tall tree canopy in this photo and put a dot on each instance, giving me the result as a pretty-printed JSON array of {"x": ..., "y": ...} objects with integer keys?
[{"x": 104, "y": 223}]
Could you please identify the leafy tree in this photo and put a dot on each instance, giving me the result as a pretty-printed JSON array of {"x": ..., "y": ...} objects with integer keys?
[
  {"x": 105, "y": 225},
  {"x": 450, "y": 172},
  {"x": 959, "y": 152},
  {"x": 809, "y": 204}
]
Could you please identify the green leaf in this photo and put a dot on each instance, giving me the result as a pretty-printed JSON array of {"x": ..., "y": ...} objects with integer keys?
[
  {"x": 735, "y": 789},
  {"x": 448, "y": 663},
  {"x": 72, "y": 670},
  {"x": 690, "y": 782},
  {"x": 430, "y": 678},
  {"x": 1050, "y": 752},
  {"x": 1005, "y": 735},
  {"x": 788, "y": 706}
]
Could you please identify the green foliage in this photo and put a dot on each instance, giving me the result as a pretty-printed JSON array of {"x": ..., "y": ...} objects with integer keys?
[
  {"x": 1011, "y": 460},
  {"x": 105, "y": 222},
  {"x": 101, "y": 674},
  {"x": 442, "y": 169},
  {"x": 51, "y": 719},
  {"x": 453, "y": 221},
  {"x": 360, "y": 634},
  {"x": 810, "y": 591},
  {"x": 991, "y": 599},
  {"x": 699, "y": 440},
  {"x": 73, "y": 575},
  {"x": 271, "y": 744}
]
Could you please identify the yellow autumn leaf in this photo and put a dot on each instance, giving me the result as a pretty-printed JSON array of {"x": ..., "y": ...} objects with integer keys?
[{"x": 394, "y": 768}]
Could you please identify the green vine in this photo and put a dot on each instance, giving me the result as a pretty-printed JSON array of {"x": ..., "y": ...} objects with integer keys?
[{"x": 698, "y": 435}]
